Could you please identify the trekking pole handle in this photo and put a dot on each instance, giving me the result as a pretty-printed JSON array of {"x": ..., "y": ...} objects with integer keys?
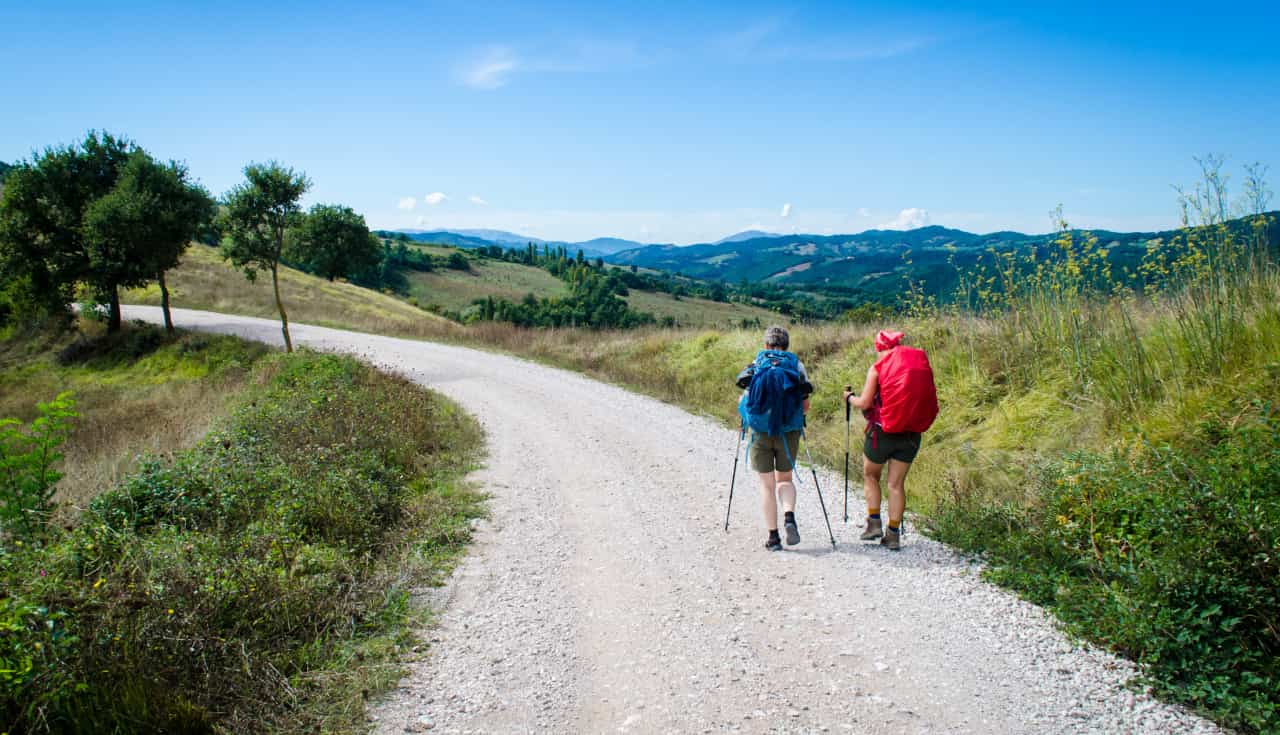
[{"x": 848, "y": 409}]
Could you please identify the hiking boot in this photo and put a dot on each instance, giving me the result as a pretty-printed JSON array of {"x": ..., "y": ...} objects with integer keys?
[
  {"x": 793, "y": 533},
  {"x": 874, "y": 530},
  {"x": 773, "y": 543},
  {"x": 892, "y": 539}
]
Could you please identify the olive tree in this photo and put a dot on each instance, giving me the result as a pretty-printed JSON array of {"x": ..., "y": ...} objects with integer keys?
[{"x": 256, "y": 217}]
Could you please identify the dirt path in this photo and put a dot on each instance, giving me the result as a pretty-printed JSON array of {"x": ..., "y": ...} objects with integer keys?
[{"x": 604, "y": 595}]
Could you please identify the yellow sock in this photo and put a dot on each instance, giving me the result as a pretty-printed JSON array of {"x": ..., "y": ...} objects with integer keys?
[
  {"x": 894, "y": 525},
  {"x": 873, "y": 512}
]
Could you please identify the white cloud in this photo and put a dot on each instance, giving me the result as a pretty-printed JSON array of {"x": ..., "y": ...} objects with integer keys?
[
  {"x": 864, "y": 212},
  {"x": 408, "y": 202},
  {"x": 908, "y": 219},
  {"x": 435, "y": 198},
  {"x": 421, "y": 220},
  {"x": 489, "y": 70},
  {"x": 786, "y": 209},
  {"x": 477, "y": 201}
]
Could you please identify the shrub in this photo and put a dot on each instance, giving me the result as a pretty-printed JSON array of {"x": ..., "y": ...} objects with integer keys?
[
  {"x": 27, "y": 457},
  {"x": 1171, "y": 556},
  {"x": 254, "y": 583}
]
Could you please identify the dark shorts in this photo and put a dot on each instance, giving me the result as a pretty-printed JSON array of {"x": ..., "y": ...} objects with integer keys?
[
  {"x": 769, "y": 455},
  {"x": 880, "y": 447}
]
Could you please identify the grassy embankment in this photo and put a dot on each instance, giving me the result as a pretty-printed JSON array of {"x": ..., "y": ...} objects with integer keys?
[
  {"x": 1115, "y": 459},
  {"x": 256, "y": 581},
  {"x": 139, "y": 393}
]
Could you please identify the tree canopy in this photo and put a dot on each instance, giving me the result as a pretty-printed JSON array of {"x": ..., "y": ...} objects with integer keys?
[
  {"x": 43, "y": 251},
  {"x": 258, "y": 213},
  {"x": 332, "y": 241},
  {"x": 140, "y": 229}
]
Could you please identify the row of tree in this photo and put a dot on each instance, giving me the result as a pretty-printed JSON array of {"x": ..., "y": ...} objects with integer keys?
[{"x": 106, "y": 215}]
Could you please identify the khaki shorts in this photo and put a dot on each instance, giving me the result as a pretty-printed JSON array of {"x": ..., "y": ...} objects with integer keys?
[{"x": 768, "y": 454}]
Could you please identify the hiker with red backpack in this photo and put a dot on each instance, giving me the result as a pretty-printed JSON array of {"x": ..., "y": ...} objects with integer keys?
[{"x": 900, "y": 402}]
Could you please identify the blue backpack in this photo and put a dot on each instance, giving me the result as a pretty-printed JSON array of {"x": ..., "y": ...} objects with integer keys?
[{"x": 774, "y": 403}]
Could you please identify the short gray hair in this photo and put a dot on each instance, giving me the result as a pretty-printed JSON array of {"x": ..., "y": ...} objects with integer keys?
[{"x": 777, "y": 338}]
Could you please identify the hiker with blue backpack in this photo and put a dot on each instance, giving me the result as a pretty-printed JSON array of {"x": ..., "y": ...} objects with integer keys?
[
  {"x": 774, "y": 401},
  {"x": 900, "y": 402}
]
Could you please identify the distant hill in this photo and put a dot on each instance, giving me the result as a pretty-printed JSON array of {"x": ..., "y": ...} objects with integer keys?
[
  {"x": 746, "y": 235},
  {"x": 479, "y": 238},
  {"x": 875, "y": 265},
  {"x": 499, "y": 236},
  {"x": 830, "y": 260}
]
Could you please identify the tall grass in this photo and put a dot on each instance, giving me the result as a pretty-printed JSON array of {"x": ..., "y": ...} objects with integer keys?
[{"x": 1157, "y": 533}]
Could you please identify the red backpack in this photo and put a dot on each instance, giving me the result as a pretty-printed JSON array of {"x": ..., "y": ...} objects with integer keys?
[{"x": 907, "y": 399}]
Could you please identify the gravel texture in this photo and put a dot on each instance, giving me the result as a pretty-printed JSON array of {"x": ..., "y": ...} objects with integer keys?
[{"x": 603, "y": 595}]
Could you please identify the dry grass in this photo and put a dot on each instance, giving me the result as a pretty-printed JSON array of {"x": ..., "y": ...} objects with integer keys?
[
  {"x": 206, "y": 281},
  {"x": 156, "y": 403}
]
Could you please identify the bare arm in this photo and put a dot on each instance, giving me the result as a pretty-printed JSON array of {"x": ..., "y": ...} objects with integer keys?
[{"x": 868, "y": 397}]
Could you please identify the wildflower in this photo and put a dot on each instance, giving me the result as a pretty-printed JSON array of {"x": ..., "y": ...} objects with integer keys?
[
  {"x": 170, "y": 611},
  {"x": 99, "y": 583}
]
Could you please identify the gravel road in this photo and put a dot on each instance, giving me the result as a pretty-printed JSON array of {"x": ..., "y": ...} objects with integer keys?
[{"x": 603, "y": 595}]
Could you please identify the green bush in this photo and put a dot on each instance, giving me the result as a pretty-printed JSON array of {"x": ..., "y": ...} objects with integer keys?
[
  {"x": 254, "y": 583},
  {"x": 1170, "y": 555}
]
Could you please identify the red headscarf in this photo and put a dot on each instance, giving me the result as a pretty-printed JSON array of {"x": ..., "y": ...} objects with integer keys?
[{"x": 888, "y": 340}]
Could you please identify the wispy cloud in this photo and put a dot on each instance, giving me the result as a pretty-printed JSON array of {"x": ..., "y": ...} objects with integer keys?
[
  {"x": 407, "y": 203},
  {"x": 477, "y": 201},
  {"x": 435, "y": 197},
  {"x": 489, "y": 69},
  {"x": 494, "y": 66},
  {"x": 908, "y": 219},
  {"x": 772, "y": 39},
  {"x": 786, "y": 210}
]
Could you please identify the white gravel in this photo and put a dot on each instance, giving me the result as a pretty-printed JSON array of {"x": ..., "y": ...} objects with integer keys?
[{"x": 604, "y": 595}]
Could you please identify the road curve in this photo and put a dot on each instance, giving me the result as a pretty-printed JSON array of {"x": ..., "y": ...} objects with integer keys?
[{"x": 603, "y": 594}]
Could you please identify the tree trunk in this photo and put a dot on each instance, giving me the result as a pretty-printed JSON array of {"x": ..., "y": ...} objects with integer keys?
[
  {"x": 284, "y": 318},
  {"x": 164, "y": 303},
  {"x": 113, "y": 313}
]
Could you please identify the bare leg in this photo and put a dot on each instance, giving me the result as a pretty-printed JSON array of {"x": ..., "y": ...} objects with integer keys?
[
  {"x": 897, "y": 490},
  {"x": 786, "y": 491},
  {"x": 769, "y": 501},
  {"x": 871, "y": 482}
]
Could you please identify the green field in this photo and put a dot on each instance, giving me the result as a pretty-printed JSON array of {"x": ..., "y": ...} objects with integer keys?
[
  {"x": 691, "y": 312},
  {"x": 454, "y": 290}
]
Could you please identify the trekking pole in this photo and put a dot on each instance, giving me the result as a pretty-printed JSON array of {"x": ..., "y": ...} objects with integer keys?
[
  {"x": 819, "y": 489},
  {"x": 848, "y": 418},
  {"x": 733, "y": 477}
]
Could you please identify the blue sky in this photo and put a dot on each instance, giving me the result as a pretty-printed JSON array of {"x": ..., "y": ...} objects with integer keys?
[{"x": 667, "y": 124}]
